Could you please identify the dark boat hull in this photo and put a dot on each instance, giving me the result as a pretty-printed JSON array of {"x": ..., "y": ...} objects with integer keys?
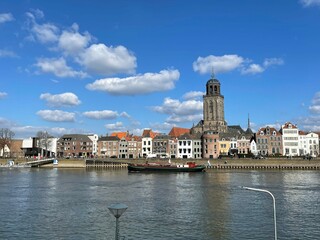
[{"x": 145, "y": 168}]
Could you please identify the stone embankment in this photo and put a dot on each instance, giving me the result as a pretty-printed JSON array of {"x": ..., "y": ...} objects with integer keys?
[{"x": 257, "y": 164}]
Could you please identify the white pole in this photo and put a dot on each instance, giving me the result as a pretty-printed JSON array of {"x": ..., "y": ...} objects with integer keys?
[{"x": 274, "y": 206}]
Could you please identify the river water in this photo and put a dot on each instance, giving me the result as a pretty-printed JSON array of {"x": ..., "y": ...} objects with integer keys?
[{"x": 72, "y": 204}]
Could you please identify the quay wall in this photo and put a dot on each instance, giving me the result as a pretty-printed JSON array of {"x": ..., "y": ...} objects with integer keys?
[{"x": 257, "y": 164}]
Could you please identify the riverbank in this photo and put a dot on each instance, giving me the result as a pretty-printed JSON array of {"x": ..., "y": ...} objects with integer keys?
[{"x": 227, "y": 163}]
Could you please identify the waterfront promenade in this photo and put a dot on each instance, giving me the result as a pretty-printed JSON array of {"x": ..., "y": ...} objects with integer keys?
[{"x": 226, "y": 163}]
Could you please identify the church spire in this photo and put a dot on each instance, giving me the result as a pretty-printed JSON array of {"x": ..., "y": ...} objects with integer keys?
[
  {"x": 248, "y": 121},
  {"x": 212, "y": 73}
]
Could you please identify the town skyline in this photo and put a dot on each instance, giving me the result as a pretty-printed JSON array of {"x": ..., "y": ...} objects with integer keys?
[{"x": 127, "y": 66}]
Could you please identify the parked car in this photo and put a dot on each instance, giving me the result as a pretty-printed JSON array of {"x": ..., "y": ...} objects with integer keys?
[
  {"x": 308, "y": 157},
  {"x": 258, "y": 157}
]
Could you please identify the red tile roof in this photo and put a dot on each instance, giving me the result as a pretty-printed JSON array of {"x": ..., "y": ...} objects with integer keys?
[
  {"x": 149, "y": 133},
  {"x": 177, "y": 132},
  {"x": 120, "y": 135}
]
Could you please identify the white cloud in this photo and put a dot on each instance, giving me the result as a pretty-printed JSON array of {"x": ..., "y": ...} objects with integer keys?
[
  {"x": 100, "y": 59},
  {"x": 272, "y": 61},
  {"x": 174, "y": 106},
  {"x": 252, "y": 69},
  {"x": 116, "y": 127},
  {"x": 45, "y": 33},
  {"x": 310, "y": 3},
  {"x": 182, "y": 119},
  {"x": 6, "y": 17},
  {"x": 72, "y": 42},
  {"x": 58, "y": 67},
  {"x": 6, "y": 53},
  {"x": 186, "y": 111},
  {"x": 56, "y": 116},
  {"x": 315, "y": 107},
  {"x": 104, "y": 114},
  {"x": 3, "y": 95},
  {"x": 227, "y": 63},
  {"x": 193, "y": 95},
  {"x": 95, "y": 58},
  {"x": 60, "y": 100},
  {"x": 218, "y": 64},
  {"x": 311, "y": 123},
  {"x": 316, "y": 99},
  {"x": 140, "y": 84},
  {"x": 125, "y": 115},
  {"x": 162, "y": 127}
]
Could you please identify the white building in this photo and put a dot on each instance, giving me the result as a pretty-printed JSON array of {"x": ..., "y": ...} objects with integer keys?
[
  {"x": 94, "y": 138},
  {"x": 146, "y": 145},
  {"x": 5, "y": 151},
  {"x": 253, "y": 147},
  {"x": 184, "y": 147},
  {"x": 290, "y": 139},
  {"x": 312, "y": 144}
]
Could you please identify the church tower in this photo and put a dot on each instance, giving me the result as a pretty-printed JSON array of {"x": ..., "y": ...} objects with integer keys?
[{"x": 213, "y": 107}]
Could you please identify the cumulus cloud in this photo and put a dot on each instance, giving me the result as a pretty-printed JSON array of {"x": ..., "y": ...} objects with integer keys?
[
  {"x": 61, "y": 100},
  {"x": 181, "y": 119},
  {"x": 104, "y": 114},
  {"x": 174, "y": 106},
  {"x": 58, "y": 67},
  {"x": 116, "y": 127},
  {"x": 44, "y": 33},
  {"x": 252, "y": 69},
  {"x": 6, "y": 17},
  {"x": 56, "y": 116},
  {"x": 95, "y": 58},
  {"x": 227, "y": 63},
  {"x": 185, "y": 111},
  {"x": 101, "y": 59},
  {"x": 71, "y": 42},
  {"x": 310, "y": 123},
  {"x": 310, "y": 3},
  {"x": 315, "y": 104},
  {"x": 193, "y": 95},
  {"x": 3, "y": 95},
  {"x": 219, "y": 64},
  {"x": 125, "y": 115},
  {"x": 140, "y": 84}
]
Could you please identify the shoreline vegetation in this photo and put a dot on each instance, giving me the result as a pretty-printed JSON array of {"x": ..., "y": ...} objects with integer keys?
[{"x": 297, "y": 163}]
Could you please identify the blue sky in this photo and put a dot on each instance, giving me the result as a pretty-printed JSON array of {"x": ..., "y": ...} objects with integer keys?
[{"x": 104, "y": 66}]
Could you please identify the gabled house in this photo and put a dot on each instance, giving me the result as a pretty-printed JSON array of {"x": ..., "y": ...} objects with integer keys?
[
  {"x": 269, "y": 141},
  {"x": 147, "y": 137},
  {"x": 290, "y": 139},
  {"x": 134, "y": 147},
  {"x": 160, "y": 146},
  {"x": 184, "y": 147}
]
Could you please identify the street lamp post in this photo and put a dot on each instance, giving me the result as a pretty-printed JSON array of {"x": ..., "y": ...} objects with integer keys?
[
  {"x": 274, "y": 206},
  {"x": 117, "y": 210}
]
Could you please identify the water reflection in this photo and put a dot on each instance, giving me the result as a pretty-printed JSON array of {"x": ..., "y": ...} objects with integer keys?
[{"x": 72, "y": 204}]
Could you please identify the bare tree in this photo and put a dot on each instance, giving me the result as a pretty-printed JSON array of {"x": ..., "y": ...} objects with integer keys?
[
  {"x": 6, "y": 136},
  {"x": 45, "y": 141}
]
